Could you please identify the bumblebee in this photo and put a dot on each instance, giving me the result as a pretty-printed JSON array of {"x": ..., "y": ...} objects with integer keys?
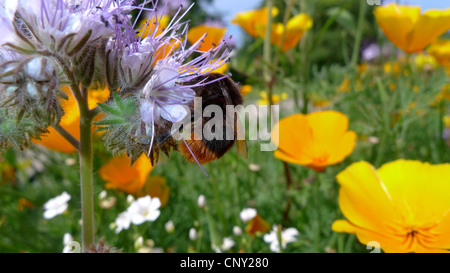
[{"x": 221, "y": 92}]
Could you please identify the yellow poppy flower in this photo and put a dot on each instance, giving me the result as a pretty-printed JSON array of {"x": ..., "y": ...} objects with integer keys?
[
  {"x": 245, "y": 89},
  {"x": 315, "y": 140},
  {"x": 214, "y": 36},
  {"x": 295, "y": 28},
  {"x": 257, "y": 224},
  {"x": 404, "y": 205},
  {"x": 71, "y": 120},
  {"x": 410, "y": 30},
  {"x": 118, "y": 173},
  {"x": 440, "y": 50},
  {"x": 156, "y": 187},
  {"x": 251, "y": 20}
]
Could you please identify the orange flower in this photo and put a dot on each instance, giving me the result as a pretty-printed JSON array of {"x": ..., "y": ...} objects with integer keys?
[
  {"x": 156, "y": 187},
  {"x": 316, "y": 140},
  {"x": 251, "y": 20},
  {"x": 214, "y": 36},
  {"x": 404, "y": 205},
  {"x": 408, "y": 29},
  {"x": 245, "y": 89},
  {"x": 165, "y": 50},
  {"x": 295, "y": 28},
  {"x": 440, "y": 50},
  {"x": 118, "y": 173},
  {"x": 7, "y": 172},
  {"x": 23, "y": 203},
  {"x": 257, "y": 224},
  {"x": 70, "y": 121}
]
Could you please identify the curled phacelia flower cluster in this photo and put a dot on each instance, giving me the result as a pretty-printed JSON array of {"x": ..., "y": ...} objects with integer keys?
[{"x": 150, "y": 70}]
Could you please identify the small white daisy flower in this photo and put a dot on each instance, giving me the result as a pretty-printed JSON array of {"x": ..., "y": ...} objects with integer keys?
[
  {"x": 144, "y": 209},
  {"x": 248, "y": 214},
  {"x": 287, "y": 236},
  {"x": 56, "y": 205},
  {"x": 227, "y": 244}
]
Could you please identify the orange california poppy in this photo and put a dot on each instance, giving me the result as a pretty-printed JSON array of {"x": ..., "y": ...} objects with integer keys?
[
  {"x": 404, "y": 205},
  {"x": 245, "y": 89},
  {"x": 293, "y": 32},
  {"x": 214, "y": 36},
  {"x": 71, "y": 120},
  {"x": 257, "y": 224},
  {"x": 156, "y": 186},
  {"x": 252, "y": 20},
  {"x": 118, "y": 173},
  {"x": 315, "y": 140},
  {"x": 410, "y": 30},
  {"x": 440, "y": 50}
]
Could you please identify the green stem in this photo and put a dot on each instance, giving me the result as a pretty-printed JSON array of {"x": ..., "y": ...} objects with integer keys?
[
  {"x": 359, "y": 33},
  {"x": 288, "y": 196},
  {"x": 316, "y": 196},
  {"x": 304, "y": 63},
  {"x": 267, "y": 54},
  {"x": 86, "y": 169}
]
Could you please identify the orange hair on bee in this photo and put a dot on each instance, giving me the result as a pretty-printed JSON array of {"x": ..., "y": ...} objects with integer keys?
[{"x": 198, "y": 148}]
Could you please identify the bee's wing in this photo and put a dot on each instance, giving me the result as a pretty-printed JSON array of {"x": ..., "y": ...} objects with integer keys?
[{"x": 238, "y": 129}]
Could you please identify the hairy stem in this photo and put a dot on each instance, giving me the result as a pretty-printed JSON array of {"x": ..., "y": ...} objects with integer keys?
[
  {"x": 288, "y": 187},
  {"x": 86, "y": 170},
  {"x": 71, "y": 139},
  {"x": 84, "y": 151}
]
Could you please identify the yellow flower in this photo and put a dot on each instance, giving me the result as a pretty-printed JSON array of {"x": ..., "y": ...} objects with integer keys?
[
  {"x": 156, "y": 187},
  {"x": 257, "y": 224},
  {"x": 443, "y": 95},
  {"x": 214, "y": 36},
  {"x": 408, "y": 29},
  {"x": 245, "y": 89},
  {"x": 404, "y": 205},
  {"x": 440, "y": 50},
  {"x": 252, "y": 19},
  {"x": 275, "y": 98},
  {"x": 394, "y": 68},
  {"x": 315, "y": 140},
  {"x": 426, "y": 62},
  {"x": 446, "y": 121},
  {"x": 118, "y": 173},
  {"x": 345, "y": 86},
  {"x": 295, "y": 28},
  {"x": 321, "y": 103},
  {"x": 392, "y": 86},
  {"x": 71, "y": 120}
]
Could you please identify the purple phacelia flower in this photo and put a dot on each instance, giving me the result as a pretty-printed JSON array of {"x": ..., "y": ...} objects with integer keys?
[{"x": 160, "y": 86}]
